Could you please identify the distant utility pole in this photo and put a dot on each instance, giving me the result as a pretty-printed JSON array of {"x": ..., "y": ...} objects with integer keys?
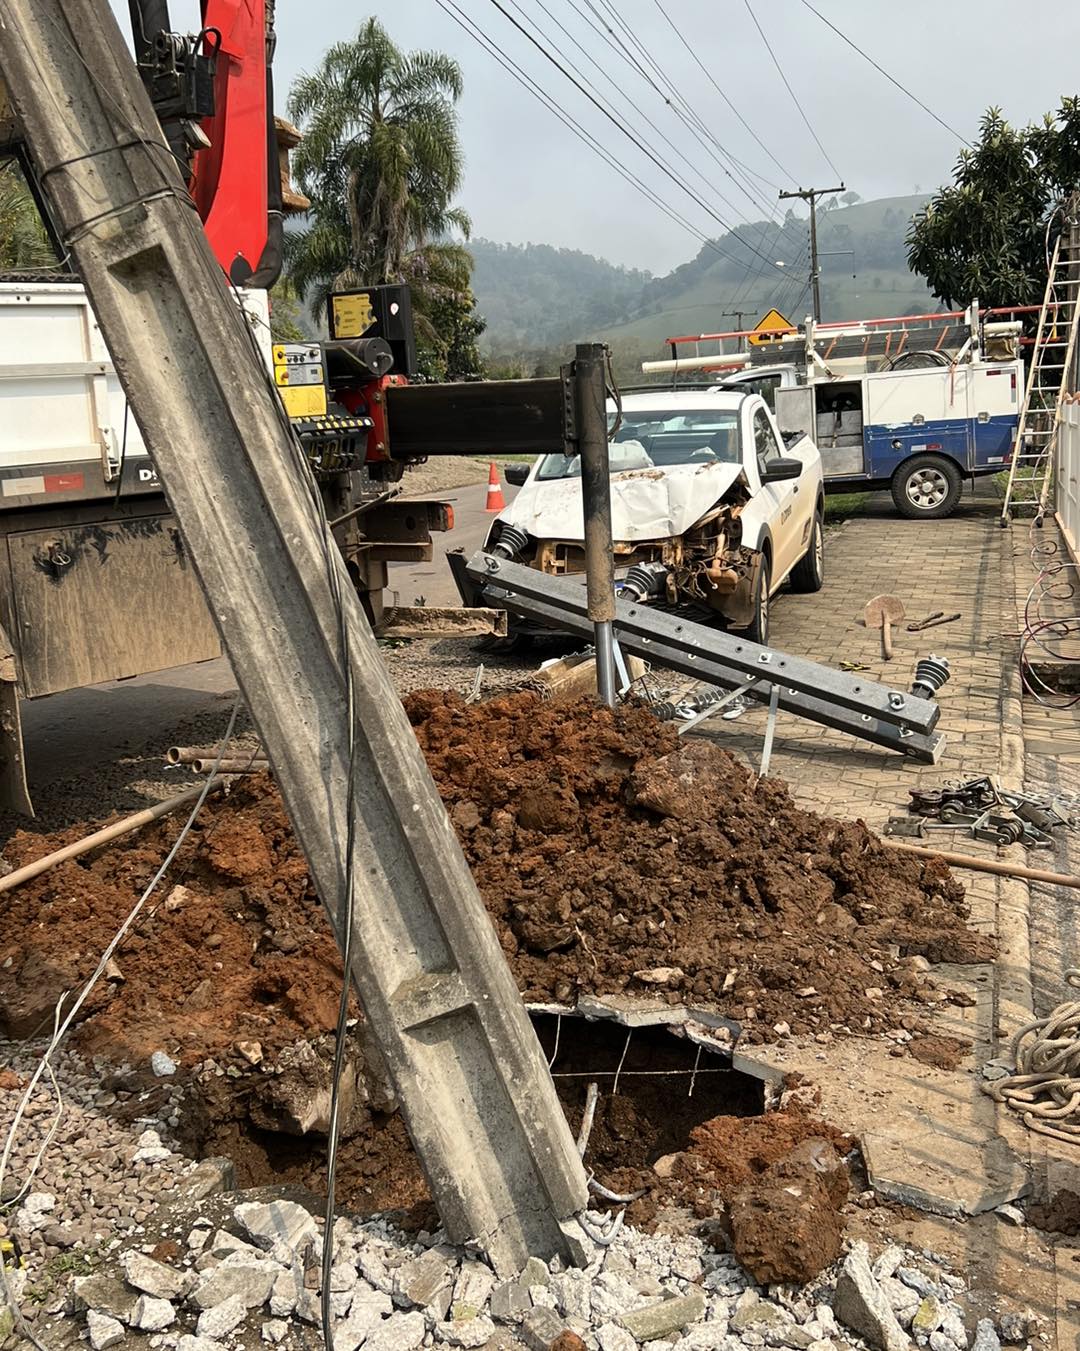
[
  {"x": 737, "y": 315},
  {"x": 811, "y": 195}
]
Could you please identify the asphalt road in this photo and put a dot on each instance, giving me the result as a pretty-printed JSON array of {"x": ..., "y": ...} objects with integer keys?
[{"x": 432, "y": 581}]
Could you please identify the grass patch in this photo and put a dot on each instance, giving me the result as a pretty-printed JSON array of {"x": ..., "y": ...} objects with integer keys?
[{"x": 841, "y": 506}]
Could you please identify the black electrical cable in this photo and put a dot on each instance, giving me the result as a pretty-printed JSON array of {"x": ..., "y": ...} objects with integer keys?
[
  {"x": 709, "y": 76},
  {"x": 882, "y": 71},
  {"x": 710, "y": 187},
  {"x": 641, "y": 64},
  {"x": 787, "y": 86},
  {"x": 511, "y": 67},
  {"x": 621, "y": 127}
]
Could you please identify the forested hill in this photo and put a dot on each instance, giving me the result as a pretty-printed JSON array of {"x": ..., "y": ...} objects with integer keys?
[
  {"x": 537, "y": 300},
  {"x": 532, "y": 294}
]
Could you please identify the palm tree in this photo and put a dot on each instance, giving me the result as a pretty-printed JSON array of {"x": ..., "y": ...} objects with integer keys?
[
  {"x": 381, "y": 162},
  {"x": 23, "y": 241}
]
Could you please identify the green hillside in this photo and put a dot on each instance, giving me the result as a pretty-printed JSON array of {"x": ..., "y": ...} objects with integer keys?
[
  {"x": 538, "y": 300},
  {"x": 532, "y": 295}
]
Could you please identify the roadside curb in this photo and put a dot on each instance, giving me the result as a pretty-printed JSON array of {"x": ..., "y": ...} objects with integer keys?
[{"x": 1014, "y": 985}]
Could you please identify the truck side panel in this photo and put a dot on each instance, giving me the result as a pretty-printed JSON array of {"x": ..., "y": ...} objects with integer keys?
[
  {"x": 101, "y": 598},
  {"x": 913, "y": 412}
]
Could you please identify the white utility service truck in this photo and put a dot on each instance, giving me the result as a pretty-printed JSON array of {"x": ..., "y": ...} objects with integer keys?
[{"x": 916, "y": 403}]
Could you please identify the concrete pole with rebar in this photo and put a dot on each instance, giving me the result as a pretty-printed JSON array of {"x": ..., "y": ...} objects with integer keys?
[{"x": 474, "y": 1087}]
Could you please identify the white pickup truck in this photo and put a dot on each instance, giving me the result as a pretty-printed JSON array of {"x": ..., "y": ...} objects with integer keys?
[{"x": 711, "y": 508}]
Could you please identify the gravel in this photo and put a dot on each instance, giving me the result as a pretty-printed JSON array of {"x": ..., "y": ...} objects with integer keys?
[
  {"x": 197, "y": 1284},
  {"x": 94, "y": 1185}
]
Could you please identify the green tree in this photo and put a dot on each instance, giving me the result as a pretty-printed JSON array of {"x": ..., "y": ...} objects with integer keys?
[
  {"x": 287, "y": 320},
  {"x": 381, "y": 163},
  {"x": 23, "y": 240},
  {"x": 984, "y": 235},
  {"x": 450, "y": 351}
]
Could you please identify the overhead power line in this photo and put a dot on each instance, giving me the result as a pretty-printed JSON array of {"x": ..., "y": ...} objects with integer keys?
[
  {"x": 622, "y": 128},
  {"x": 882, "y": 71},
  {"x": 644, "y": 65},
  {"x": 709, "y": 76},
  {"x": 689, "y": 163},
  {"x": 787, "y": 86},
  {"x": 463, "y": 21}
]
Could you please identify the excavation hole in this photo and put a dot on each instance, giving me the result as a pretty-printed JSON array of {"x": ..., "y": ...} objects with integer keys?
[
  {"x": 651, "y": 1114},
  {"x": 665, "y": 1087}
]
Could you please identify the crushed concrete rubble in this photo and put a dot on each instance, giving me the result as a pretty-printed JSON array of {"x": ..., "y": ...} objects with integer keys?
[{"x": 390, "y": 1292}]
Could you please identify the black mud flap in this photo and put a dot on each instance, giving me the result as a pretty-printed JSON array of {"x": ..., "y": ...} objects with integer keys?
[{"x": 14, "y": 794}]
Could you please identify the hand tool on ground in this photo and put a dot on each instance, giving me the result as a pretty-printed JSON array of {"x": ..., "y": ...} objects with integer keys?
[
  {"x": 988, "y": 865},
  {"x": 932, "y": 621},
  {"x": 854, "y": 666},
  {"x": 882, "y": 613}
]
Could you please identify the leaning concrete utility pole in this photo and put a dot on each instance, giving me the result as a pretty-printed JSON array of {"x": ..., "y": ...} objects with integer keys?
[
  {"x": 474, "y": 1088},
  {"x": 811, "y": 195}
]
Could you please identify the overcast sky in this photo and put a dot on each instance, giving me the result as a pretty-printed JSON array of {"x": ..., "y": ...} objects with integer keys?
[{"x": 529, "y": 179}]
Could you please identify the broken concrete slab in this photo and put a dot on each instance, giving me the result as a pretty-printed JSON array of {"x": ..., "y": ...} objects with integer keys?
[
  {"x": 250, "y": 1280},
  {"x": 932, "y": 1170},
  {"x": 860, "y": 1304},
  {"x": 153, "y": 1278},
  {"x": 509, "y": 1302},
  {"x": 540, "y": 1327},
  {"x": 986, "y": 1338},
  {"x": 612, "y": 1337},
  {"x": 103, "y": 1294},
  {"x": 152, "y": 1315},
  {"x": 425, "y": 1281},
  {"x": 659, "y": 1321},
  {"x": 210, "y": 1177},
  {"x": 758, "y": 1314},
  {"x": 468, "y": 1332},
  {"x": 269, "y": 1223},
  {"x": 103, "y": 1330},
  {"x": 222, "y": 1318},
  {"x": 472, "y": 1289},
  {"x": 405, "y": 1332}
]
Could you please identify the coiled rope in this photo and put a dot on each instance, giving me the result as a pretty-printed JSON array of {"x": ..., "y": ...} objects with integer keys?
[{"x": 1045, "y": 1086}]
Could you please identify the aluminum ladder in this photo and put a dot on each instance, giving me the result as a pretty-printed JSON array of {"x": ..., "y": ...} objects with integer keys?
[{"x": 1031, "y": 471}]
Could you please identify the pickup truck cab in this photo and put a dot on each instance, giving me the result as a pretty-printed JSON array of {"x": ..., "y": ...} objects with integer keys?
[{"x": 711, "y": 507}]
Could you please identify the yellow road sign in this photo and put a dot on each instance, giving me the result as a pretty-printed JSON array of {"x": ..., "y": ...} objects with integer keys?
[{"x": 763, "y": 329}]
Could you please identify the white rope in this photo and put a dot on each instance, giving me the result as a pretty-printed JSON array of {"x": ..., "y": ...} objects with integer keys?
[{"x": 1044, "y": 1089}]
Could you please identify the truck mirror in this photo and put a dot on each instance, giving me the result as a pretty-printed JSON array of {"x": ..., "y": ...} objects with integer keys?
[{"x": 781, "y": 469}]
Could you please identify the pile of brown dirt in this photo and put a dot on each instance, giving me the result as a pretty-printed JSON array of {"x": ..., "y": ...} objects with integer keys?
[
  {"x": 612, "y": 857},
  {"x": 774, "y": 1185},
  {"x": 234, "y": 946}
]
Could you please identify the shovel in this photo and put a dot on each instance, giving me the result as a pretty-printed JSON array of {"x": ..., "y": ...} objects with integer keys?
[{"x": 882, "y": 613}]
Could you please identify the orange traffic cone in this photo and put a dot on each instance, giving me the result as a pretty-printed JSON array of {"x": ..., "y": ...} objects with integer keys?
[{"x": 495, "y": 499}]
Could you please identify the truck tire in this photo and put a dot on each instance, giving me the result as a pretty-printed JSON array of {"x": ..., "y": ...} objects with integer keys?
[
  {"x": 757, "y": 631},
  {"x": 808, "y": 574},
  {"x": 926, "y": 487}
]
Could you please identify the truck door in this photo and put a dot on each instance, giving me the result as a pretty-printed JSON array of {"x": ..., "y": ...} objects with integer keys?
[
  {"x": 996, "y": 392},
  {"x": 781, "y": 498}
]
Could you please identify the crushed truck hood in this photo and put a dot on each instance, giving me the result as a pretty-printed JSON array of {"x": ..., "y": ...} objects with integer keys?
[{"x": 646, "y": 504}]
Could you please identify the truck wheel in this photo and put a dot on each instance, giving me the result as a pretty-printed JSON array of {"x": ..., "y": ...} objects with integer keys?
[
  {"x": 758, "y": 630},
  {"x": 808, "y": 574},
  {"x": 926, "y": 487}
]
